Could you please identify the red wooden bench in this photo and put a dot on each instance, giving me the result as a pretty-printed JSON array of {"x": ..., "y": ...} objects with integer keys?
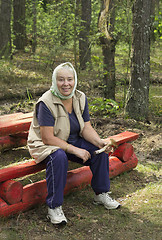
[
  {"x": 15, "y": 198},
  {"x": 14, "y": 130}
]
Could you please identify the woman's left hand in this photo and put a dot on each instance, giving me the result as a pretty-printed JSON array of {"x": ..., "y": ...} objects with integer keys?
[{"x": 107, "y": 146}]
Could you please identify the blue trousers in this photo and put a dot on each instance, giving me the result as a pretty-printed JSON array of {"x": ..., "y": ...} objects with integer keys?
[{"x": 57, "y": 167}]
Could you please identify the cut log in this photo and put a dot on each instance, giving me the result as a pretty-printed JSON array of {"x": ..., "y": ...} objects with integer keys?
[
  {"x": 11, "y": 191},
  {"x": 124, "y": 152},
  {"x": 123, "y": 137},
  {"x": 15, "y": 116},
  {"x": 117, "y": 167},
  {"x": 15, "y": 126},
  {"x": 10, "y": 117},
  {"x": 8, "y": 142},
  {"x": 20, "y": 170}
]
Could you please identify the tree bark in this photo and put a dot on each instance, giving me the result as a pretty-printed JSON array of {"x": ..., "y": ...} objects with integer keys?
[
  {"x": 108, "y": 47},
  {"x": 84, "y": 44},
  {"x": 5, "y": 28},
  {"x": 19, "y": 24},
  {"x": 137, "y": 102}
]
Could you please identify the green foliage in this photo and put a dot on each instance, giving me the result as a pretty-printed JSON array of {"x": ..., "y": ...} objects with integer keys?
[
  {"x": 155, "y": 105},
  {"x": 157, "y": 25},
  {"x": 94, "y": 22},
  {"x": 96, "y": 64},
  {"x": 123, "y": 19},
  {"x": 103, "y": 107},
  {"x": 29, "y": 95}
]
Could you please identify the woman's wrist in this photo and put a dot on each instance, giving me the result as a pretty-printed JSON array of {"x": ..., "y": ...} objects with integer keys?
[
  {"x": 66, "y": 148},
  {"x": 101, "y": 144}
]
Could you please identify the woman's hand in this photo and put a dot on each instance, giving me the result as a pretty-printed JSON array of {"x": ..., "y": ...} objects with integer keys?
[
  {"x": 111, "y": 146},
  {"x": 107, "y": 147},
  {"x": 83, "y": 154}
]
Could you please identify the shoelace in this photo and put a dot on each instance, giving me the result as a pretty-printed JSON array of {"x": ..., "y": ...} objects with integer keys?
[
  {"x": 108, "y": 197},
  {"x": 59, "y": 211}
]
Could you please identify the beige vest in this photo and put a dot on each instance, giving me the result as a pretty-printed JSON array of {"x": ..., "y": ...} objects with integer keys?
[{"x": 38, "y": 150}]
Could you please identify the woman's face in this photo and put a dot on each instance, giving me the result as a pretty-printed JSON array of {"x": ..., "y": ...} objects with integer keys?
[{"x": 65, "y": 81}]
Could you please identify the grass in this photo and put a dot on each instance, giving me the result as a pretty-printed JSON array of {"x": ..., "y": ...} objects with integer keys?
[
  {"x": 155, "y": 99},
  {"x": 139, "y": 218}
]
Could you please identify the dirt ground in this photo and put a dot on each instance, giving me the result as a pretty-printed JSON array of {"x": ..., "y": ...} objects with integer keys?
[{"x": 33, "y": 224}]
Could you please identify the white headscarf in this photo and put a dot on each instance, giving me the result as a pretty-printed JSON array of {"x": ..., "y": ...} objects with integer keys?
[{"x": 54, "y": 88}]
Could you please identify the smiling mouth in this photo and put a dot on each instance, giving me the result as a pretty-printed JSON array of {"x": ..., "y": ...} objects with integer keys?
[{"x": 65, "y": 89}]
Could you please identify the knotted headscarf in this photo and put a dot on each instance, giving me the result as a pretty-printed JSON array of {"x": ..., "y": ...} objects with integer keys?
[{"x": 54, "y": 88}]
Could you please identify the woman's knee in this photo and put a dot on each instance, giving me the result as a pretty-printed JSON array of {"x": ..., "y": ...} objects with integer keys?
[
  {"x": 58, "y": 157},
  {"x": 101, "y": 158}
]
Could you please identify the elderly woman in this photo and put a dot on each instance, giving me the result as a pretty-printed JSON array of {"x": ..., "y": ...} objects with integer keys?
[{"x": 61, "y": 130}]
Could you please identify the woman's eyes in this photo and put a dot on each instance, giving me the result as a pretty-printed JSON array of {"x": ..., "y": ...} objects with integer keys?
[{"x": 62, "y": 79}]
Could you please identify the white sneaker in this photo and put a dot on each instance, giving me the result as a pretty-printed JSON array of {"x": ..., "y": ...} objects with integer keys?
[
  {"x": 56, "y": 215},
  {"x": 106, "y": 200}
]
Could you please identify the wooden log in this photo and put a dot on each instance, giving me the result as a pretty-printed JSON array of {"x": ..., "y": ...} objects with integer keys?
[
  {"x": 36, "y": 193},
  {"x": 21, "y": 135},
  {"x": 20, "y": 170},
  {"x": 9, "y": 210},
  {"x": 3, "y": 205},
  {"x": 10, "y": 117},
  {"x": 123, "y": 137},
  {"x": 117, "y": 167},
  {"x": 8, "y": 142},
  {"x": 124, "y": 152},
  {"x": 11, "y": 191},
  {"x": 15, "y": 116},
  {"x": 9, "y": 128}
]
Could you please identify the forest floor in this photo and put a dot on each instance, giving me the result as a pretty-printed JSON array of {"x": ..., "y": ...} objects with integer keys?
[{"x": 139, "y": 190}]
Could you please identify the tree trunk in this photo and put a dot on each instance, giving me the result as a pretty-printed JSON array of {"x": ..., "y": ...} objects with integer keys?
[
  {"x": 5, "y": 28},
  {"x": 84, "y": 44},
  {"x": 137, "y": 102},
  {"x": 108, "y": 47},
  {"x": 19, "y": 25}
]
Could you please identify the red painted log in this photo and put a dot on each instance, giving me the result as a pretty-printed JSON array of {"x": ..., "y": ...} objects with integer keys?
[
  {"x": 117, "y": 167},
  {"x": 36, "y": 193},
  {"x": 123, "y": 137},
  {"x": 20, "y": 170},
  {"x": 23, "y": 135},
  {"x": 124, "y": 152},
  {"x": 8, "y": 210},
  {"x": 11, "y": 191},
  {"x": 10, "y": 117},
  {"x": 9, "y": 128},
  {"x": 3, "y": 205},
  {"x": 15, "y": 125},
  {"x": 78, "y": 178},
  {"x": 15, "y": 116},
  {"x": 8, "y": 142}
]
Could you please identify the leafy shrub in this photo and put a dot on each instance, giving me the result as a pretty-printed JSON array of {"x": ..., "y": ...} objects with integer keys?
[{"x": 103, "y": 107}]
